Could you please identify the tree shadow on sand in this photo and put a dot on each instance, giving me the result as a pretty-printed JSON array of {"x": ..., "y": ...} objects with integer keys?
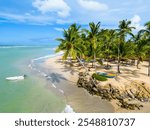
[
  {"x": 56, "y": 78},
  {"x": 69, "y": 69}
]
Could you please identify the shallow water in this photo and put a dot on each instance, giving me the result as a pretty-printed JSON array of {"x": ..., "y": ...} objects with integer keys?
[
  {"x": 31, "y": 94},
  {"x": 37, "y": 93}
]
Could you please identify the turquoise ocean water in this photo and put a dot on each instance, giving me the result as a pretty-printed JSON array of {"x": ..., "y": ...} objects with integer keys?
[{"x": 31, "y": 94}]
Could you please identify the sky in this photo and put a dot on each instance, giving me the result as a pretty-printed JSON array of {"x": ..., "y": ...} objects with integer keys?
[{"x": 42, "y": 21}]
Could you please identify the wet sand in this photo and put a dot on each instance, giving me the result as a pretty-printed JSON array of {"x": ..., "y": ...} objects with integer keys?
[{"x": 64, "y": 79}]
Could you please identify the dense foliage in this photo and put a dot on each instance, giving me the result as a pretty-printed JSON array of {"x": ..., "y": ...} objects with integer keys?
[{"x": 96, "y": 44}]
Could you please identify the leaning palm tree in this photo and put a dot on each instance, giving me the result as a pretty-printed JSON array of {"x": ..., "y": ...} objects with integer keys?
[
  {"x": 124, "y": 29},
  {"x": 70, "y": 43},
  {"x": 93, "y": 37}
]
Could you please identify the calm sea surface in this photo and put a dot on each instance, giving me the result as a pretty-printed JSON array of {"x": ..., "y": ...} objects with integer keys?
[{"x": 31, "y": 94}]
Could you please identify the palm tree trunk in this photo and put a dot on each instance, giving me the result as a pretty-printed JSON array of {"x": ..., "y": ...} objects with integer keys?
[
  {"x": 82, "y": 64},
  {"x": 86, "y": 69},
  {"x": 149, "y": 67},
  {"x": 95, "y": 60},
  {"x": 107, "y": 61},
  {"x": 70, "y": 60},
  {"x": 92, "y": 64},
  {"x": 137, "y": 65},
  {"x": 118, "y": 66}
]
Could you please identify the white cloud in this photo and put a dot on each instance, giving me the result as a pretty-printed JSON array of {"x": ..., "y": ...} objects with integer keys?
[
  {"x": 59, "y": 29},
  {"x": 92, "y": 5},
  {"x": 50, "y": 6},
  {"x": 136, "y": 19},
  {"x": 135, "y": 22},
  {"x": 27, "y": 17}
]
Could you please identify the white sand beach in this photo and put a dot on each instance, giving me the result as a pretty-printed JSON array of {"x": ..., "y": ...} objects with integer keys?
[
  {"x": 78, "y": 98},
  {"x": 82, "y": 101}
]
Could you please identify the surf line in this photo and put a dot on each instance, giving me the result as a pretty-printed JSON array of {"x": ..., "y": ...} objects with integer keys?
[{"x": 54, "y": 85}]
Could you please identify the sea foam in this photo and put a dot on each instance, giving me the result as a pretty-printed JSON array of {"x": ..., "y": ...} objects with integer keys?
[
  {"x": 47, "y": 56},
  {"x": 68, "y": 109},
  {"x": 18, "y": 46}
]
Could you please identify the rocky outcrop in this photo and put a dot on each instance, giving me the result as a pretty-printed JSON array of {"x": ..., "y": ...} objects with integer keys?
[{"x": 135, "y": 91}]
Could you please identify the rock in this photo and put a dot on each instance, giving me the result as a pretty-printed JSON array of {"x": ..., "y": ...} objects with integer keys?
[
  {"x": 108, "y": 92},
  {"x": 130, "y": 94},
  {"x": 95, "y": 89},
  {"x": 133, "y": 91}
]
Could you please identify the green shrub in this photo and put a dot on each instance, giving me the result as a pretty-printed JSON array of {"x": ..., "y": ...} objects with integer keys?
[{"x": 99, "y": 77}]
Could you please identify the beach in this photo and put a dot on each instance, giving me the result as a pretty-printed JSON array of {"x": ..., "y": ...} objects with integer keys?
[
  {"x": 51, "y": 84},
  {"x": 65, "y": 79}
]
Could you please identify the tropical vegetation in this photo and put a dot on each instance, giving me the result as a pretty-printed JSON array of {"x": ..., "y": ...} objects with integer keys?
[{"x": 96, "y": 45}]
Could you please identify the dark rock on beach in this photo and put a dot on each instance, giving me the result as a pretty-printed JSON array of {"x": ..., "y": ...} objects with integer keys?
[{"x": 136, "y": 91}]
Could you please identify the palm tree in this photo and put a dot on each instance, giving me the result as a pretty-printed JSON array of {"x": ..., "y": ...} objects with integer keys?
[
  {"x": 70, "y": 43},
  {"x": 140, "y": 48},
  {"x": 124, "y": 29},
  {"x": 148, "y": 55},
  {"x": 93, "y": 37},
  {"x": 108, "y": 39},
  {"x": 147, "y": 25},
  {"x": 146, "y": 33}
]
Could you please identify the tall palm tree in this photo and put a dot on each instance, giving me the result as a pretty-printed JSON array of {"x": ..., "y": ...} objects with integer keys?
[
  {"x": 140, "y": 48},
  {"x": 124, "y": 29},
  {"x": 146, "y": 33},
  {"x": 93, "y": 37},
  {"x": 147, "y": 25},
  {"x": 70, "y": 43},
  {"x": 108, "y": 40}
]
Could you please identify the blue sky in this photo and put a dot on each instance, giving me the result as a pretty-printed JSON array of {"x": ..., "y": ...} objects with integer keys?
[{"x": 41, "y": 21}]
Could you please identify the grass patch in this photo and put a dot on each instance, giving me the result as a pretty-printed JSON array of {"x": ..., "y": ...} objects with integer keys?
[{"x": 99, "y": 77}]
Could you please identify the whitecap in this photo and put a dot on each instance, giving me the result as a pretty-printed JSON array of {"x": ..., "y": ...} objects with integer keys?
[
  {"x": 47, "y": 56},
  {"x": 68, "y": 109},
  {"x": 61, "y": 91},
  {"x": 30, "y": 66},
  {"x": 17, "y": 46},
  {"x": 53, "y": 85},
  {"x": 44, "y": 74}
]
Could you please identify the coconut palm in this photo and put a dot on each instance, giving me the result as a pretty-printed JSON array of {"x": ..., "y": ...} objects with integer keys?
[
  {"x": 146, "y": 33},
  {"x": 140, "y": 48},
  {"x": 96, "y": 43},
  {"x": 124, "y": 29},
  {"x": 93, "y": 38},
  {"x": 108, "y": 38},
  {"x": 70, "y": 43},
  {"x": 147, "y": 25}
]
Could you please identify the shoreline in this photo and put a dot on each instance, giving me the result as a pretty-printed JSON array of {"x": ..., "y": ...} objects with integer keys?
[
  {"x": 82, "y": 98},
  {"x": 64, "y": 79}
]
